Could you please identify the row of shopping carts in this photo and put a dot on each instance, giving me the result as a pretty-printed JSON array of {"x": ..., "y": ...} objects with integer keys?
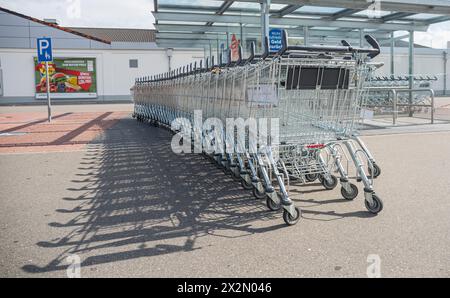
[
  {"x": 421, "y": 81},
  {"x": 272, "y": 120},
  {"x": 381, "y": 99}
]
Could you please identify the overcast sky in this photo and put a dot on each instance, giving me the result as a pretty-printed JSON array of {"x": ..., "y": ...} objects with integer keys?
[
  {"x": 137, "y": 14},
  {"x": 92, "y": 13}
]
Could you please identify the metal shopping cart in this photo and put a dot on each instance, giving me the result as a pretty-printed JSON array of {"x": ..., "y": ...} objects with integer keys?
[{"x": 312, "y": 96}]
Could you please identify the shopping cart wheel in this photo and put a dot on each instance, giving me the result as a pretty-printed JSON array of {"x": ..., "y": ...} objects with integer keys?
[
  {"x": 311, "y": 177},
  {"x": 289, "y": 220},
  {"x": 226, "y": 170},
  {"x": 320, "y": 177},
  {"x": 258, "y": 194},
  {"x": 376, "y": 169},
  {"x": 235, "y": 177},
  {"x": 329, "y": 185},
  {"x": 272, "y": 205},
  {"x": 350, "y": 195},
  {"x": 377, "y": 204},
  {"x": 246, "y": 185}
]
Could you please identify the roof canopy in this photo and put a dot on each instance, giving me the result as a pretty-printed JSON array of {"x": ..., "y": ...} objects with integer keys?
[{"x": 200, "y": 23}]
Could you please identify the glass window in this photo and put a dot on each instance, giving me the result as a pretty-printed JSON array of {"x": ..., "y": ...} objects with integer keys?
[{"x": 133, "y": 63}]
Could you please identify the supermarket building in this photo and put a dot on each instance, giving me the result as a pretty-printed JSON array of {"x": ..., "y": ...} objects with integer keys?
[{"x": 114, "y": 57}]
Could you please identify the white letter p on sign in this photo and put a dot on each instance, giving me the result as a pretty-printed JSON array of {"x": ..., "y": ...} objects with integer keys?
[{"x": 43, "y": 45}]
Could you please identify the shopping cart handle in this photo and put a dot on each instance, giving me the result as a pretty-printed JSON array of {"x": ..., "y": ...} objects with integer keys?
[
  {"x": 240, "y": 55},
  {"x": 229, "y": 59},
  {"x": 374, "y": 44},
  {"x": 266, "y": 53},
  {"x": 372, "y": 52},
  {"x": 252, "y": 55},
  {"x": 345, "y": 43},
  {"x": 212, "y": 63},
  {"x": 252, "y": 52}
]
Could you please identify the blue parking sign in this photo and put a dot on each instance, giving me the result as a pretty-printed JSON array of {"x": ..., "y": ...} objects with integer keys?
[{"x": 44, "y": 49}]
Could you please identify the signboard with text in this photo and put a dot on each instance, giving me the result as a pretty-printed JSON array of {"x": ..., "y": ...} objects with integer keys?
[
  {"x": 275, "y": 40},
  {"x": 69, "y": 78}
]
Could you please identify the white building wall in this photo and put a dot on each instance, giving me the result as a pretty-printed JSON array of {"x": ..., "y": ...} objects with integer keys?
[
  {"x": 16, "y": 68},
  {"x": 426, "y": 62},
  {"x": 114, "y": 76}
]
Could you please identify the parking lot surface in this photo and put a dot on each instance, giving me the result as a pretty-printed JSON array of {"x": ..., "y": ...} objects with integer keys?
[{"x": 127, "y": 206}]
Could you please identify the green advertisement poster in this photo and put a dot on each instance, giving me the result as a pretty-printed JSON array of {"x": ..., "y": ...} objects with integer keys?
[{"x": 69, "y": 78}]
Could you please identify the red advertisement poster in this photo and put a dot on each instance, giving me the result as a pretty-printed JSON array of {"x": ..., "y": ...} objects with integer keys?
[{"x": 234, "y": 48}]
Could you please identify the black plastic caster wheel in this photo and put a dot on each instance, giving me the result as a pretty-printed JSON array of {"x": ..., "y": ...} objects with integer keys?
[
  {"x": 377, "y": 204},
  {"x": 272, "y": 205},
  {"x": 376, "y": 170},
  {"x": 311, "y": 177},
  {"x": 235, "y": 177},
  {"x": 350, "y": 195},
  {"x": 289, "y": 219},
  {"x": 227, "y": 170},
  {"x": 330, "y": 185},
  {"x": 258, "y": 194},
  {"x": 245, "y": 185}
]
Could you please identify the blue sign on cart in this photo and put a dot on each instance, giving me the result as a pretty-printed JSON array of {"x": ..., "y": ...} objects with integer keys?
[
  {"x": 275, "y": 40},
  {"x": 44, "y": 49}
]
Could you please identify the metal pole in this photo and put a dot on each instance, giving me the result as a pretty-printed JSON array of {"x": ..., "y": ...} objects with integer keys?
[
  {"x": 432, "y": 106},
  {"x": 241, "y": 33},
  {"x": 392, "y": 53},
  {"x": 411, "y": 69},
  {"x": 445, "y": 71},
  {"x": 218, "y": 49},
  {"x": 265, "y": 10},
  {"x": 49, "y": 105},
  {"x": 361, "y": 37},
  {"x": 210, "y": 53},
  {"x": 169, "y": 53},
  {"x": 227, "y": 47},
  {"x": 395, "y": 112},
  {"x": 306, "y": 35}
]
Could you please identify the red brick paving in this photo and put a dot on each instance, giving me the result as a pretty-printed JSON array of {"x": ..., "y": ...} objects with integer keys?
[{"x": 67, "y": 132}]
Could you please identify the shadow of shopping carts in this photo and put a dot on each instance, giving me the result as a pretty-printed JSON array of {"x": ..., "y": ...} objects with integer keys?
[{"x": 135, "y": 198}]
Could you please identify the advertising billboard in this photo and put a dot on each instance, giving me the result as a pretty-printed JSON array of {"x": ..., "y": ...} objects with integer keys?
[{"x": 69, "y": 78}]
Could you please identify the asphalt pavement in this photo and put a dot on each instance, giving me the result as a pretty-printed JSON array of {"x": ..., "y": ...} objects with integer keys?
[{"x": 127, "y": 206}]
